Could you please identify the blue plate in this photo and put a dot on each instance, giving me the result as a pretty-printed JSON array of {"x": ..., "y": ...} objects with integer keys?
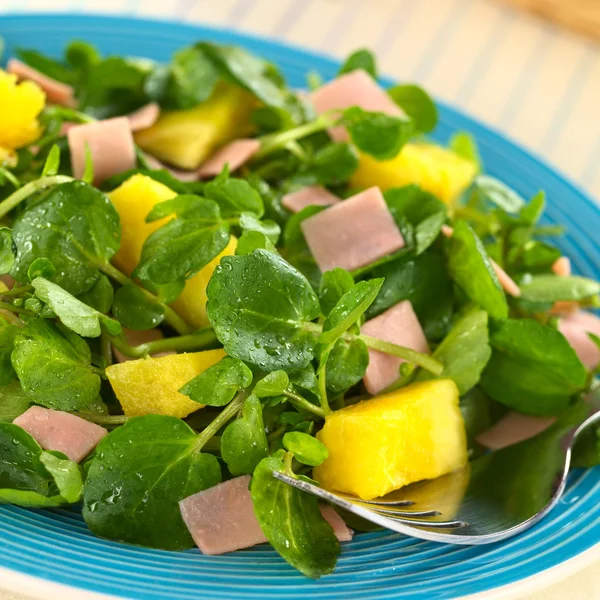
[{"x": 56, "y": 546}]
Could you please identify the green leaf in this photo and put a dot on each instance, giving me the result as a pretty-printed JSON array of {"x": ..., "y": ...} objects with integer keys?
[
  {"x": 346, "y": 365},
  {"x": 53, "y": 365},
  {"x": 377, "y": 134},
  {"x": 248, "y": 222},
  {"x": 76, "y": 227},
  {"x": 14, "y": 401},
  {"x": 499, "y": 193},
  {"x": 305, "y": 448},
  {"x": 471, "y": 268},
  {"x": 7, "y": 256},
  {"x": 334, "y": 284},
  {"x": 66, "y": 475},
  {"x": 254, "y": 240},
  {"x": 464, "y": 144},
  {"x": 234, "y": 197},
  {"x": 134, "y": 310},
  {"x": 533, "y": 369},
  {"x": 292, "y": 522},
  {"x": 82, "y": 55},
  {"x": 465, "y": 351},
  {"x": 52, "y": 163},
  {"x": 532, "y": 212},
  {"x": 552, "y": 288},
  {"x": 73, "y": 313},
  {"x": 261, "y": 309},
  {"x": 220, "y": 383},
  {"x": 41, "y": 267},
  {"x": 8, "y": 332},
  {"x": 273, "y": 384},
  {"x": 244, "y": 441},
  {"x": 334, "y": 164},
  {"x": 46, "y": 65},
  {"x": 100, "y": 296},
  {"x": 360, "y": 59},
  {"x": 138, "y": 476},
  {"x": 417, "y": 104},
  {"x": 183, "y": 246}
]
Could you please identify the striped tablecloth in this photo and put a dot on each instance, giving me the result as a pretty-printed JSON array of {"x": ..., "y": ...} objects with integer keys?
[{"x": 529, "y": 79}]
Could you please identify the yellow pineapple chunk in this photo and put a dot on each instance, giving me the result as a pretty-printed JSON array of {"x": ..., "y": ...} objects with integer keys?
[
  {"x": 150, "y": 386},
  {"x": 185, "y": 138},
  {"x": 383, "y": 444},
  {"x": 437, "y": 170},
  {"x": 134, "y": 199}
]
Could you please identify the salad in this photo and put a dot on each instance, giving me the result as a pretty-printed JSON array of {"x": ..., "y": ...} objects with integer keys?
[{"x": 208, "y": 276}]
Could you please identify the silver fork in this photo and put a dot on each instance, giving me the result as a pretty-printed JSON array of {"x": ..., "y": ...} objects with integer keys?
[{"x": 496, "y": 496}]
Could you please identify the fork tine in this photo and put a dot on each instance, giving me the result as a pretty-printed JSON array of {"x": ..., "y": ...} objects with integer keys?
[
  {"x": 381, "y": 502},
  {"x": 404, "y": 513}
]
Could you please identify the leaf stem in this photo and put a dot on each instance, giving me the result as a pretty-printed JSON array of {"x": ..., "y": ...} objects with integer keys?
[
  {"x": 16, "y": 309},
  {"x": 28, "y": 189},
  {"x": 304, "y": 404},
  {"x": 17, "y": 291},
  {"x": 418, "y": 358},
  {"x": 223, "y": 417},
  {"x": 105, "y": 348},
  {"x": 323, "y": 389},
  {"x": 102, "y": 419},
  {"x": 275, "y": 434}
]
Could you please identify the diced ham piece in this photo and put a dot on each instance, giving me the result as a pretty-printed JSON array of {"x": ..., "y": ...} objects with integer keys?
[
  {"x": 111, "y": 146},
  {"x": 135, "y": 338},
  {"x": 8, "y": 281},
  {"x": 61, "y": 431},
  {"x": 506, "y": 281},
  {"x": 312, "y": 195},
  {"x": 398, "y": 325},
  {"x": 356, "y": 88},
  {"x": 56, "y": 91},
  {"x": 185, "y": 176},
  {"x": 562, "y": 266},
  {"x": 353, "y": 233},
  {"x": 221, "y": 519},
  {"x": 144, "y": 117},
  {"x": 575, "y": 327},
  {"x": 235, "y": 154},
  {"x": 512, "y": 429}
]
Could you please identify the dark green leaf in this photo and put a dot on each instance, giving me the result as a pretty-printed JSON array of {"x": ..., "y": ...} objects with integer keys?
[
  {"x": 346, "y": 365},
  {"x": 234, "y": 197},
  {"x": 334, "y": 284},
  {"x": 471, "y": 268},
  {"x": 8, "y": 332},
  {"x": 248, "y": 222},
  {"x": 100, "y": 296},
  {"x": 41, "y": 267},
  {"x": 220, "y": 383},
  {"x": 499, "y": 193},
  {"x": 183, "y": 205},
  {"x": 82, "y": 55},
  {"x": 254, "y": 240},
  {"x": 552, "y": 288},
  {"x": 14, "y": 401},
  {"x": 138, "y": 476},
  {"x": 7, "y": 256},
  {"x": 273, "y": 384},
  {"x": 479, "y": 413},
  {"x": 360, "y": 59},
  {"x": 53, "y": 365},
  {"x": 244, "y": 441},
  {"x": 305, "y": 448},
  {"x": 292, "y": 522},
  {"x": 533, "y": 368},
  {"x": 417, "y": 104},
  {"x": 334, "y": 164},
  {"x": 134, "y": 310},
  {"x": 261, "y": 309},
  {"x": 46, "y": 65},
  {"x": 532, "y": 212}
]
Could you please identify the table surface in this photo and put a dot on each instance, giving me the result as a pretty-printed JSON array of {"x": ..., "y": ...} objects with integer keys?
[{"x": 535, "y": 82}]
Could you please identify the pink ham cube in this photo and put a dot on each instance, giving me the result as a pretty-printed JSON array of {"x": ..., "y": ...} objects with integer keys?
[
  {"x": 398, "y": 325},
  {"x": 144, "y": 117},
  {"x": 353, "y": 233},
  {"x": 562, "y": 266},
  {"x": 575, "y": 327},
  {"x": 111, "y": 146},
  {"x": 512, "y": 429},
  {"x": 235, "y": 154},
  {"x": 356, "y": 88},
  {"x": 221, "y": 519},
  {"x": 56, "y": 430},
  {"x": 312, "y": 195}
]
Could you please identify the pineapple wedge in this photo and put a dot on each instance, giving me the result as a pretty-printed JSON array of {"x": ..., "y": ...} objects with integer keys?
[
  {"x": 437, "y": 170},
  {"x": 185, "y": 138},
  {"x": 150, "y": 386},
  {"x": 383, "y": 444}
]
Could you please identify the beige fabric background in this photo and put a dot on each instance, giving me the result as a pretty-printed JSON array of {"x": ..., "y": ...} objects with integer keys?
[{"x": 532, "y": 80}]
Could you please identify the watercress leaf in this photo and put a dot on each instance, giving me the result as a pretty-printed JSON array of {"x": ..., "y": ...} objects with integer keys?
[
  {"x": 261, "y": 309},
  {"x": 234, "y": 197},
  {"x": 7, "y": 256},
  {"x": 46, "y": 65},
  {"x": 182, "y": 205},
  {"x": 100, "y": 296},
  {"x": 346, "y": 365},
  {"x": 53, "y": 365},
  {"x": 66, "y": 475},
  {"x": 533, "y": 369},
  {"x": 134, "y": 310},
  {"x": 14, "y": 401},
  {"x": 248, "y": 222},
  {"x": 273, "y": 384},
  {"x": 377, "y": 134},
  {"x": 292, "y": 522},
  {"x": 220, "y": 383},
  {"x": 471, "y": 268},
  {"x": 306, "y": 380},
  {"x": 244, "y": 441},
  {"x": 360, "y": 59},
  {"x": 161, "y": 175},
  {"x": 417, "y": 104},
  {"x": 465, "y": 351},
  {"x": 138, "y": 476},
  {"x": 499, "y": 193},
  {"x": 552, "y": 288},
  {"x": 8, "y": 332},
  {"x": 536, "y": 255},
  {"x": 253, "y": 240},
  {"x": 464, "y": 144},
  {"x": 76, "y": 227},
  {"x": 41, "y": 267},
  {"x": 334, "y": 163},
  {"x": 532, "y": 212},
  {"x": 52, "y": 163},
  {"x": 334, "y": 284},
  {"x": 425, "y": 283},
  {"x": 305, "y": 448},
  {"x": 82, "y": 55}
]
